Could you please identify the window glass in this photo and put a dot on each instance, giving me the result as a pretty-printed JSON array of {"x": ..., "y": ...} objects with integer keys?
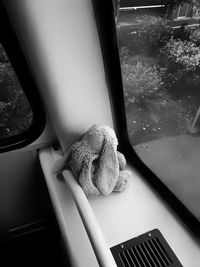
[
  {"x": 160, "y": 65},
  {"x": 15, "y": 112},
  {"x": 183, "y": 10}
]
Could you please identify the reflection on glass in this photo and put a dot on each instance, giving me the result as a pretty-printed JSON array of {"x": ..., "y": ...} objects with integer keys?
[{"x": 160, "y": 63}]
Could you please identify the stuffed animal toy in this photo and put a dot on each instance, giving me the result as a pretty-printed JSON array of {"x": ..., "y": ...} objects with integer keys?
[{"x": 96, "y": 163}]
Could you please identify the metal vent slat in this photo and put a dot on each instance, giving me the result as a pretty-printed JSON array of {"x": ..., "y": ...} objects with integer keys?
[
  {"x": 146, "y": 259},
  {"x": 124, "y": 260},
  {"x": 147, "y": 250},
  {"x": 157, "y": 253},
  {"x": 139, "y": 256},
  {"x": 134, "y": 264},
  {"x": 128, "y": 258},
  {"x": 161, "y": 254},
  {"x": 148, "y": 255},
  {"x": 154, "y": 257},
  {"x": 134, "y": 257},
  {"x": 163, "y": 250}
]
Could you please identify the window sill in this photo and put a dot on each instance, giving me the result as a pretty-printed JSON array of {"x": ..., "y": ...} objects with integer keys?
[{"x": 120, "y": 216}]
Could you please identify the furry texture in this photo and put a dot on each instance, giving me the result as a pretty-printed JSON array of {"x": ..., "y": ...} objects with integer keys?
[{"x": 96, "y": 163}]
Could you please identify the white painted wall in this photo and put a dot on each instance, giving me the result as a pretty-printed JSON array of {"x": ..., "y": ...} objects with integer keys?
[
  {"x": 21, "y": 194},
  {"x": 61, "y": 41}
]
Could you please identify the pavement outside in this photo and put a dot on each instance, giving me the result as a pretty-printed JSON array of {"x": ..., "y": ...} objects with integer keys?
[{"x": 176, "y": 161}]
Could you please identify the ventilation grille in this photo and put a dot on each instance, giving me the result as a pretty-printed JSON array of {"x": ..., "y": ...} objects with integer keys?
[{"x": 147, "y": 250}]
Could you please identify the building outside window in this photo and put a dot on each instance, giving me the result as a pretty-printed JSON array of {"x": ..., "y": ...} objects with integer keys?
[
  {"x": 172, "y": 9},
  {"x": 183, "y": 11}
]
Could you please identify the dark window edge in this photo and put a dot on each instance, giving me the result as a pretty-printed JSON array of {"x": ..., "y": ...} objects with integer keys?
[
  {"x": 23, "y": 72},
  {"x": 104, "y": 15}
]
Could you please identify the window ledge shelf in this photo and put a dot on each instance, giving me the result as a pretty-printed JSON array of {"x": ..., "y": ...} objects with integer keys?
[{"x": 108, "y": 221}]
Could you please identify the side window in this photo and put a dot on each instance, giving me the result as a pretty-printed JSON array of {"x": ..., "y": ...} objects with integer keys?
[
  {"x": 16, "y": 115},
  {"x": 160, "y": 66},
  {"x": 22, "y": 116}
]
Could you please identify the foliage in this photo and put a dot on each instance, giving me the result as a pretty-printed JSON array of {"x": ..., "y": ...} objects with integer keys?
[
  {"x": 194, "y": 35},
  {"x": 124, "y": 52},
  {"x": 184, "y": 55},
  {"x": 147, "y": 36},
  {"x": 188, "y": 33},
  {"x": 15, "y": 112},
  {"x": 153, "y": 32},
  {"x": 183, "y": 33},
  {"x": 196, "y": 6},
  {"x": 140, "y": 80}
]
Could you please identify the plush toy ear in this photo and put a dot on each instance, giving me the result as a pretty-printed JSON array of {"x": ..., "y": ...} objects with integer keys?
[
  {"x": 122, "y": 160},
  {"x": 107, "y": 171},
  {"x": 86, "y": 175}
]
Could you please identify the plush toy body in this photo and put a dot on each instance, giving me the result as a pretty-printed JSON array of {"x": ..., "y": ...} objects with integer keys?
[{"x": 96, "y": 163}]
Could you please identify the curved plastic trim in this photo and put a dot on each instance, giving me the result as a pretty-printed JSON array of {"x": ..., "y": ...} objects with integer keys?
[
  {"x": 101, "y": 249},
  {"x": 99, "y": 245}
]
